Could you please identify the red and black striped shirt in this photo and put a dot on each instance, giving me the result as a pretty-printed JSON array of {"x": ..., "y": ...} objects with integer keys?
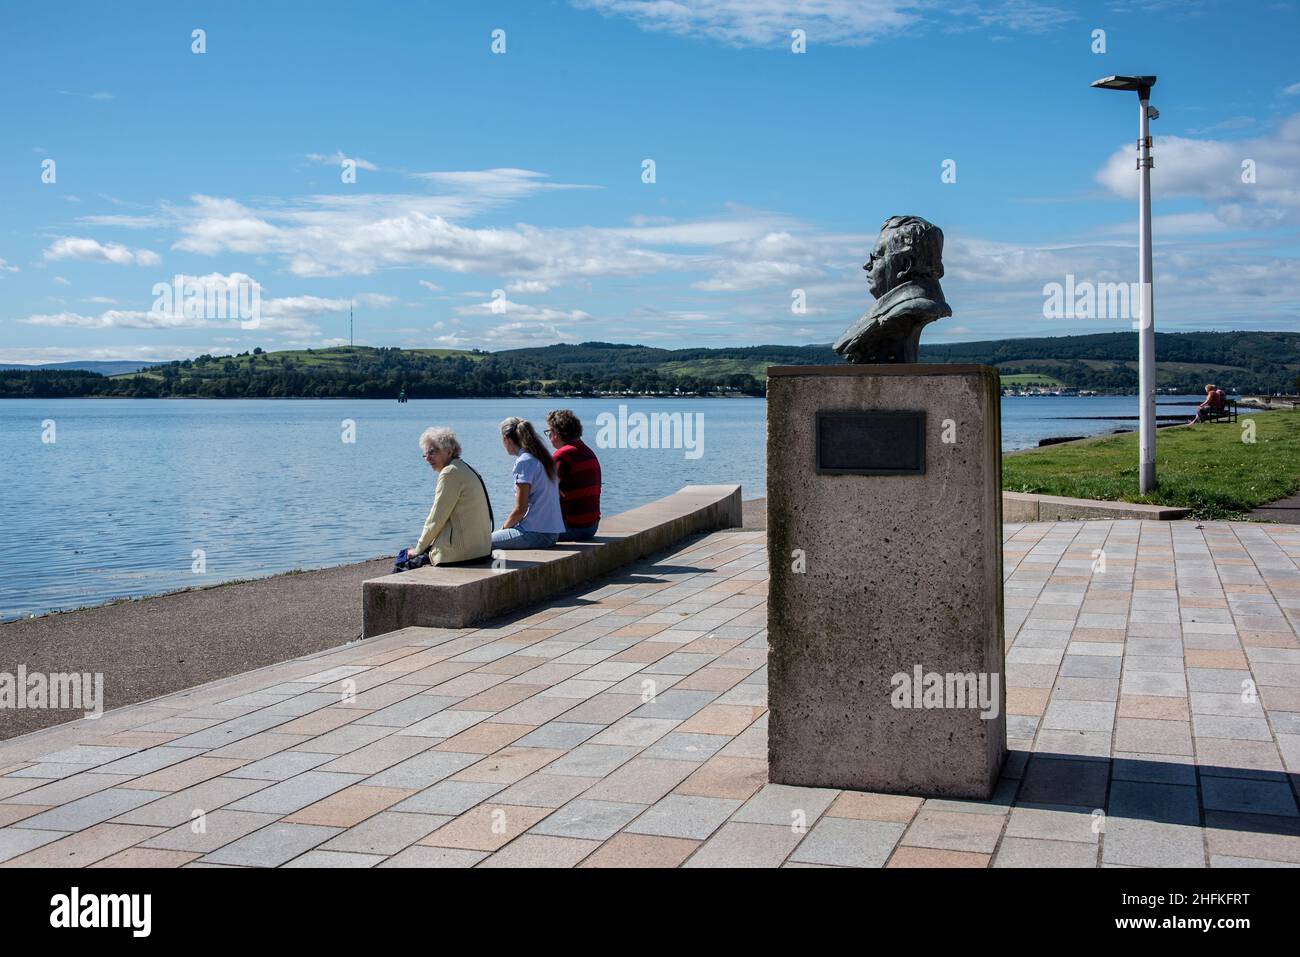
[{"x": 579, "y": 474}]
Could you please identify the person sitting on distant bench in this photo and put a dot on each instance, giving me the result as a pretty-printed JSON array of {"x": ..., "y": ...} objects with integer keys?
[
  {"x": 1214, "y": 404},
  {"x": 579, "y": 473},
  {"x": 536, "y": 520},
  {"x": 459, "y": 526}
]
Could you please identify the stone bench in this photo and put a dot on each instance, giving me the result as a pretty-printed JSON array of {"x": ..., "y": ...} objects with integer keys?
[
  {"x": 1024, "y": 507},
  {"x": 466, "y": 594}
]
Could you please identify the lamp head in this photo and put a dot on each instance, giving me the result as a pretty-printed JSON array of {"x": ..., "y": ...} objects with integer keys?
[{"x": 1141, "y": 84}]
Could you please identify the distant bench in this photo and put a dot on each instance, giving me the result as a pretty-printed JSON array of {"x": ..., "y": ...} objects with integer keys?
[
  {"x": 463, "y": 595},
  {"x": 1227, "y": 414}
]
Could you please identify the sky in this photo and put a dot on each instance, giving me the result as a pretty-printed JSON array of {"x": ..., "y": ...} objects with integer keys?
[{"x": 712, "y": 173}]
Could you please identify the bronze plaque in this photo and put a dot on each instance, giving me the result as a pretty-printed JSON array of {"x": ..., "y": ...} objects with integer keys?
[{"x": 871, "y": 443}]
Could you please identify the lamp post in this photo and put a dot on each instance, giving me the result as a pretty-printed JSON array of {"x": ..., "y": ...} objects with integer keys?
[{"x": 1146, "y": 308}]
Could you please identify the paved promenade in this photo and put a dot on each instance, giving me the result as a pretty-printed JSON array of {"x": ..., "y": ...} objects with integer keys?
[{"x": 1154, "y": 720}]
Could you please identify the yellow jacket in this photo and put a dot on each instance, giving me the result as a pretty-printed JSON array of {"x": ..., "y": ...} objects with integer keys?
[{"x": 459, "y": 526}]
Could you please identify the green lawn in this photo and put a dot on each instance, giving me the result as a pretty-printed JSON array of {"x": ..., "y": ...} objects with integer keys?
[{"x": 1207, "y": 468}]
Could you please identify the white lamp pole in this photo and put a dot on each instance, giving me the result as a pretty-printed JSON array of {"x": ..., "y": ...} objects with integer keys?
[
  {"x": 1146, "y": 303},
  {"x": 1146, "y": 313}
]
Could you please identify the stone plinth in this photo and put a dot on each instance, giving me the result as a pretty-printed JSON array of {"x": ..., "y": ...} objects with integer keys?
[{"x": 879, "y": 578}]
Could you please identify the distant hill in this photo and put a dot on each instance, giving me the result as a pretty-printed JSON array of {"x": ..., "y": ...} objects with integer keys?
[
  {"x": 1237, "y": 361},
  {"x": 102, "y": 367}
]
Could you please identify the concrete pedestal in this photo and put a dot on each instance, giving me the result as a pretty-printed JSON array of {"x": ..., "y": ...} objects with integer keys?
[{"x": 885, "y": 604}]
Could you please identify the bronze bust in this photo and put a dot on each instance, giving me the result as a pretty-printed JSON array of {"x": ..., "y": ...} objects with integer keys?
[{"x": 903, "y": 273}]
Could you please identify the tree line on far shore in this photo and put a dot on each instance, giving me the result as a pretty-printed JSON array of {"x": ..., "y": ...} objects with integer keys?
[{"x": 1241, "y": 362}]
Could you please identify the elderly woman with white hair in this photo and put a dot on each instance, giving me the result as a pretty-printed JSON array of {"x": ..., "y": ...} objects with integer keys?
[{"x": 459, "y": 526}]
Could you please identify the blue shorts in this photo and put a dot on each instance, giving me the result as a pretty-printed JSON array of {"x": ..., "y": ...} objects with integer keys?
[{"x": 517, "y": 538}]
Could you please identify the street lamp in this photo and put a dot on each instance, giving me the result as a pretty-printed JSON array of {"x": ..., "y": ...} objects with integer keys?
[{"x": 1146, "y": 309}]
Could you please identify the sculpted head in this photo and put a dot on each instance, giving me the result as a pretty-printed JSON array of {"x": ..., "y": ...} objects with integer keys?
[{"x": 909, "y": 248}]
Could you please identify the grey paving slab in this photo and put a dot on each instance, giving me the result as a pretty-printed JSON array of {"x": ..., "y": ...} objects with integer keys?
[
  {"x": 335, "y": 859},
  {"x": 594, "y": 820},
  {"x": 271, "y": 846},
  {"x": 434, "y": 857},
  {"x": 1143, "y": 843},
  {"x": 682, "y": 746},
  {"x": 216, "y": 829},
  {"x": 559, "y": 734},
  {"x": 635, "y": 732},
  {"x": 682, "y": 815},
  {"x": 544, "y": 789},
  {"x": 408, "y": 711},
  {"x": 785, "y": 805},
  {"x": 1163, "y": 803},
  {"x": 146, "y": 762},
  {"x": 423, "y": 770},
  {"x": 844, "y": 842},
  {"x": 386, "y": 833},
  {"x": 91, "y": 810},
  {"x": 675, "y": 704},
  {"x": 285, "y": 797},
  {"x": 280, "y": 766},
  {"x": 1037, "y": 852},
  {"x": 592, "y": 760},
  {"x": 742, "y": 844},
  {"x": 445, "y": 724},
  {"x": 15, "y": 841},
  {"x": 1248, "y": 796}
]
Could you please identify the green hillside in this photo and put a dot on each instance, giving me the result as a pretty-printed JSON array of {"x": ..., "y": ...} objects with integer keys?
[{"x": 1240, "y": 362}]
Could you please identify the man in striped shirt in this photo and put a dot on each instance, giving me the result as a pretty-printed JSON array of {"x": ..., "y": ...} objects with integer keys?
[{"x": 579, "y": 473}]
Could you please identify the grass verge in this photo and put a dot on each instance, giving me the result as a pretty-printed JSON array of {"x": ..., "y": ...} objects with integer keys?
[{"x": 1210, "y": 468}]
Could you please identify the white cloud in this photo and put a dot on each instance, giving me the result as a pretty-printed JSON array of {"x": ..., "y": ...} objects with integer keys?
[
  {"x": 286, "y": 316},
  {"x": 115, "y": 319},
  {"x": 337, "y": 158},
  {"x": 141, "y": 354},
  {"x": 431, "y": 286},
  {"x": 533, "y": 286},
  {"x": 1292, "y": 90},
  {"x": 5, "y": 267},
  {"x": 92, "y": 250},
  {"x": 61, "y": 281},
  {"x": 743, "y": 23},
  {"x": 1214, "y": 171}
]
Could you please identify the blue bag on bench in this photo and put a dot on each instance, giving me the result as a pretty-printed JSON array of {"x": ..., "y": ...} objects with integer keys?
[{"x": 405, "y": 561}]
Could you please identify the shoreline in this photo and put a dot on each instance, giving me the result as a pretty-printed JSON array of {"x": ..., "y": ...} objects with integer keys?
[{"x": 156, "y": 645}]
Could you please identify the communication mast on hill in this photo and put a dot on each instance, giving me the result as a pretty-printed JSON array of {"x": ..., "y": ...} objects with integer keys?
[{"x": 349, "y": 323}]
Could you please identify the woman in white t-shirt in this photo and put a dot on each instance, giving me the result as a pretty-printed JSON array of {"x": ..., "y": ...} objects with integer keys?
[{"x": 536, "y": 520}]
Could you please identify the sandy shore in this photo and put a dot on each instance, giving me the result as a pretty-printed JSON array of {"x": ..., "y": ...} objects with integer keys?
[{"x": 154, "y": 646}]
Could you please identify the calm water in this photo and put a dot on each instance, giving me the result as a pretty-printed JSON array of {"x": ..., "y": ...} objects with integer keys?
[{"x": 129, "y": 490}]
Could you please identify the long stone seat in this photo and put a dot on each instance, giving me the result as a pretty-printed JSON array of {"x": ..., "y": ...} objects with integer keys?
[
  {"x": 1023, "y": 507},
  {"x": 460, "y": 596}
]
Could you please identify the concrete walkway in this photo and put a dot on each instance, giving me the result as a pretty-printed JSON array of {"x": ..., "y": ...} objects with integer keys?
[
  {"x": 1285, "y": 510},
  {"x": 154, "y": 646},
  {"x": 1154, "y": 715}
]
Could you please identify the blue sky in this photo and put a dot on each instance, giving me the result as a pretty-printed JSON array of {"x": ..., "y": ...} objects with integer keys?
[{"x": 522, "y": 172}]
